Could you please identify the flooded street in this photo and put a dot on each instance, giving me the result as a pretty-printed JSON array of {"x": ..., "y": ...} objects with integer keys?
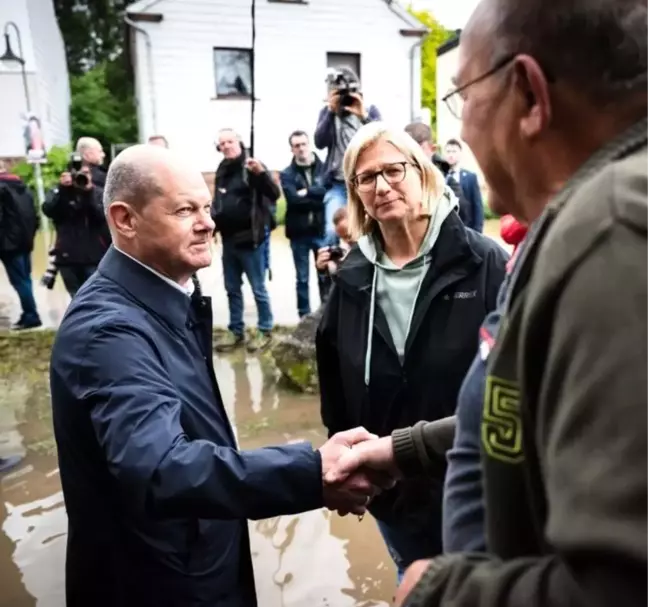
[{"x": 313, "y": 559}]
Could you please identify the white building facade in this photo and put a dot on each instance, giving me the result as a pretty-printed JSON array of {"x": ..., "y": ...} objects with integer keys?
[
  {"x": 193, "y": 74},
  {"x": 47, "y": 76}
]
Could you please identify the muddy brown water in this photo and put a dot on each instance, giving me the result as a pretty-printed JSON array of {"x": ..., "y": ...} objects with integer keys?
[{"x": 309, "y": 560}]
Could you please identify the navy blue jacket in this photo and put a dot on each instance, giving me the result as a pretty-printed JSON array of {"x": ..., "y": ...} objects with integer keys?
[
  {"x": 304, "y": 214},
  {"x": 473, "y": 212},
  {"x": 464, "y": 520},
  {"x": 157, "y": 494}
]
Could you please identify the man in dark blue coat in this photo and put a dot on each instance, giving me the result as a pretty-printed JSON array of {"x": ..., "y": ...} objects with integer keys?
[{"x": 156, "y": 491}]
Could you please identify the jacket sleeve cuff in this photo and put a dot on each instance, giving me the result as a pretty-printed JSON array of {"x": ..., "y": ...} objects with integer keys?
[
  {"x": 420, "y": 594},
  {"x": 410, "y": 455}
]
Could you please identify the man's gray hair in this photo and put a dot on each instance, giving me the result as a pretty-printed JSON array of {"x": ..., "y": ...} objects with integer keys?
[
  {"x": 598, "y": 46},
  {"x": 130, "y": 183},
  {"x": 86, "y": 143},
  {"x": 419, "y": 132}
]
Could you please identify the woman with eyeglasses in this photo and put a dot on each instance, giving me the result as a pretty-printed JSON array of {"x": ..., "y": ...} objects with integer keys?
[{"x": 400, "y": 328}]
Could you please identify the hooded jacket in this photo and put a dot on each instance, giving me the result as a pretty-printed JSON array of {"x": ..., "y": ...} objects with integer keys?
[
  {"x": 363, "y": 378},
  {"x": 19, "y": 220}
]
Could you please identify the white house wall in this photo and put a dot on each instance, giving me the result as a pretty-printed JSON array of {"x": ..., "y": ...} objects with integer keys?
[
  {"x": 292, "y": 42},
  {"x": 449, "y": 127},
  {"x": 12, "y": 100},
  {"x": 47, "y": 76},
  {"x": 53, "y": 88}
]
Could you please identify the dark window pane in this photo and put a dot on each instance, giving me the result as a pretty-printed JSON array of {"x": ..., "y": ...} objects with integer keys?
[{"x": 232, "y": 72}]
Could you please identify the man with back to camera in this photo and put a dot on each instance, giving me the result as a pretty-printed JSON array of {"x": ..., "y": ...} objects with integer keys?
[
  {"x": 301, "y": 183},
  {"x": 242, "y": 209},
  {"x": 156, "y": 491},
  {"x": 473, "y": 213},
  {"x": 337, "y": 123}
]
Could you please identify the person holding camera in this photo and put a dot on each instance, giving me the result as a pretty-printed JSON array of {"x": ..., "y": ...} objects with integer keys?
[
  {"x": 338, "y": 122},
  {"x": 92, "y": 155},
  {"x": 245, "y": 197},
  {"x": 329, "y": 257},
  {"x": 82, "y": 236}
]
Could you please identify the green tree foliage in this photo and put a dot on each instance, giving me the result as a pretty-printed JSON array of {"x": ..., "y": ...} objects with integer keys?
[
  {"x": 437, "y": 36},
  {"x": 97, "y": 112},
  {"x": 57, "y": 161},
  {"x": 101, "y": 78}
]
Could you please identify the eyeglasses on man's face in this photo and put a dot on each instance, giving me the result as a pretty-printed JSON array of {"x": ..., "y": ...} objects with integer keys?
[
  {"x": 392, "y": 173},
  {"x": 455, "y": 98}
]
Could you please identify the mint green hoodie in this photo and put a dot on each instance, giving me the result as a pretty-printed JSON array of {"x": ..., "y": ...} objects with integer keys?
[{"x": 396, "y": 289}]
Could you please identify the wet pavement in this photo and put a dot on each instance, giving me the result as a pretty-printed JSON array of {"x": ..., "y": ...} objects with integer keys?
[{"x": 308, "y": 560}]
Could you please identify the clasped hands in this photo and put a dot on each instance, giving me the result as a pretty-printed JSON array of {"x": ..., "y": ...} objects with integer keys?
[{"x": 356, "y": 466}]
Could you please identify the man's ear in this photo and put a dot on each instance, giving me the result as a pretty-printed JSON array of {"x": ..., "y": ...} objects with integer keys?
[
  {"x": 124, "y": 219},
  {"x": 534, "y": 90}
]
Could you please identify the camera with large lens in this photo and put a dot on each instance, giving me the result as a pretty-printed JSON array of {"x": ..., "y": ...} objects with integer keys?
[
  {"x": 49, "y": 277},
  {"x": 79, "y": 179},
  {"x": 345, "y": 82}
]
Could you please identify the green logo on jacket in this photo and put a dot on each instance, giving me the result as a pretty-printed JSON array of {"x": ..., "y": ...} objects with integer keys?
[{"x": 501, "y": 428}]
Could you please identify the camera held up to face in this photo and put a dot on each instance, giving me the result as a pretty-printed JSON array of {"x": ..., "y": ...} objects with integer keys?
[
  {"x": 75, "y": 168},
  {"x": 345, "y": 83}
]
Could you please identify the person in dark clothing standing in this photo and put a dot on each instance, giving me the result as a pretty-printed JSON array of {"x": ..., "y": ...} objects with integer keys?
[
  {"x": 472, "y": 214},
  {"x": 19, "y": 223},
  {"x": 82, "y": 236},
  {"x": 399, "y": 330},
  {"x": 156, "y": 491},
  {"x": 301, "y": 183},
  {"x": 245, "y": 197}
]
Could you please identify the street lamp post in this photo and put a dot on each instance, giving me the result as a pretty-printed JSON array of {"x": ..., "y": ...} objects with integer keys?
[{"x": 10, "y": 57}]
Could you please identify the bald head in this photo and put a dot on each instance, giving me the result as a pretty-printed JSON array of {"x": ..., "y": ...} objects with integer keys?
[
  {"x": 143, "y": 172},
  {"x": 598, "y": 47}
]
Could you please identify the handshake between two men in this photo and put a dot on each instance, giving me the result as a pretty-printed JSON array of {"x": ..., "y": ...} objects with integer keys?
[{"x": 357, "y": 465}]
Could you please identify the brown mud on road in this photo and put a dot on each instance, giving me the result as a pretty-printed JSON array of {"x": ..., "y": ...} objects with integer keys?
[{"x": 309, "y": 560}]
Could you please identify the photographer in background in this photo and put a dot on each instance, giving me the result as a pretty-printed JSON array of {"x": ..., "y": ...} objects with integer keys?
[
  {"x": 76, "y": 208},
  {"x": 329, "y": 258},
  {"x": 92, "y": 155},
  {"x": 338, "y": 122}
]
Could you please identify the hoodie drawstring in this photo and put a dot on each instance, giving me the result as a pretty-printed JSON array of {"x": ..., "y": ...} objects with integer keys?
[{"x": 372, "y": 313}]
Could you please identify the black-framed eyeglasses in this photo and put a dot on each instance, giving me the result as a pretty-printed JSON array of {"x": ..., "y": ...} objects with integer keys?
[
  {"x": 392, "y": 173},
  {"x": 455, "y": 100}
]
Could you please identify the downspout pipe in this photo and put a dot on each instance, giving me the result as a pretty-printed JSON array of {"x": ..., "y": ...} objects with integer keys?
[
  {"x": 412, "y": 55},
  {"x": 149, "y": 68},
  {"x": 415, "y": 46}
]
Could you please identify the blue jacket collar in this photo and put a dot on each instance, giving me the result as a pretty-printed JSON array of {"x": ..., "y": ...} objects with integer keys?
[{"x": 150, "y": 290}]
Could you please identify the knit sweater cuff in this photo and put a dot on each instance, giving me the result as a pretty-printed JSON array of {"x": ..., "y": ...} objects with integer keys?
[{"x": 408, "y": 456}]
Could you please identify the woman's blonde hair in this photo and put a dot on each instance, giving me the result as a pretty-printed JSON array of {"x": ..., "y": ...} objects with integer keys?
[{"x": 432, "y": 180}]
